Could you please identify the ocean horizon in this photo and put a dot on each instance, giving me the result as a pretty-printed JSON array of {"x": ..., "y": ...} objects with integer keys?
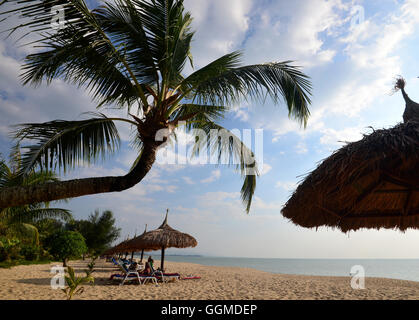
[{"x": 403, "y": 269}]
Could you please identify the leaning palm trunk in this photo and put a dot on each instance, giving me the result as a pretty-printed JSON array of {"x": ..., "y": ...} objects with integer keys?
[
  {"x": 19, "y": 220},
  {"x": 131, "y": 54},
  {"x": 20, "y": 195}
]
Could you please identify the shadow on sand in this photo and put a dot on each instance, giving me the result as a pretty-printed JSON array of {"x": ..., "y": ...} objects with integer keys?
[{"x": 99, "y": 281}]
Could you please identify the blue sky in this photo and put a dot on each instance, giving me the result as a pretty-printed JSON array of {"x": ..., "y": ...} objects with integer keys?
[{"x": 352, "y": 62}]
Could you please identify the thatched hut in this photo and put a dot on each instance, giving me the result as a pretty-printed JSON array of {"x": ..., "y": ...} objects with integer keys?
[
  {"x": 119, "y": 248},
  {"x": 135, "y": 245},
  {"x": 371, "y": 183},
  {"x": 165, "y": 237}
]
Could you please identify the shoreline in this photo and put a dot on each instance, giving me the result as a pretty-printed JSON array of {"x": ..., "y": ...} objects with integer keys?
[
  {"x": 332, "y": 273},
  {"x": 216, "y": 283}
]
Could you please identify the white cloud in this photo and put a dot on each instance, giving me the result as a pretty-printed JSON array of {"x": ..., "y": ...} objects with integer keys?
[
  {"x": 301, "y": 148},
  {"x": 210, "y": 197},
  {"x": 338, "y": 137},
  {"x": 215, "y": 175},
  {"x": 266, "y": 168},
  {"x": 292, "y": 30},
  {"x": 286, "y": 185},
  {"x": 374, "y": 59},
  {"x": 188, "y": 180},
  {"x": 220, "y": 27}
]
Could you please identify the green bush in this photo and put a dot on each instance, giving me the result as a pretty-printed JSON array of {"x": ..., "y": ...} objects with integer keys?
[
  {"x": 30, "y": 252},
  {"x": 9, "y": 249},
  {"x": 74, "y": 283},
  {"x": 44, "y": 255},
  {"x": 67, "y": 245}
]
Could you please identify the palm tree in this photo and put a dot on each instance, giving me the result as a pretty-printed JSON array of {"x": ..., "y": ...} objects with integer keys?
[
  {"x": 131, "y": 54},
  {"x": 18, "y": 221}
]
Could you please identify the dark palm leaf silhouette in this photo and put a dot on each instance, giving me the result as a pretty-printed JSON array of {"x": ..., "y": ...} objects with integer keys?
[{"x": 131, "y": 54}]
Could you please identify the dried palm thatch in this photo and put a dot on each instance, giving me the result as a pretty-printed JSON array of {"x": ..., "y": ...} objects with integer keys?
[
  {"x": 135, "y": 244},
  {"x": 119, "y": 248},
  {"x": 411, "y": 111},
  {"x": 371, "y": 183},
  {"x": 161, "y": 238},
  {"x": 166, "y": 237}
]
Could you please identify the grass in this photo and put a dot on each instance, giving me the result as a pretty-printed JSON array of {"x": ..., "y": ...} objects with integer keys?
[{"x": 13, "y": 263}]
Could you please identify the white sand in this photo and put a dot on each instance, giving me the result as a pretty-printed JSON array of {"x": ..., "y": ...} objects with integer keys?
[{"x": 33, "y": 282}]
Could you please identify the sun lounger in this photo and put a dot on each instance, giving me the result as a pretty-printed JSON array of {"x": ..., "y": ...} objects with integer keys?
[
  {"x": 129, "y": 275},
  {"x": 164, "y": 277},
  {"x": 115, "y": 262}
]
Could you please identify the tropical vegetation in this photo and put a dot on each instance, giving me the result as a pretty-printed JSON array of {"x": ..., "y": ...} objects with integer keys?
[
  {"x": 74, "y": 283},
  {"x": 98, "y": 230},
  {"x": 20, "y": 239},
  {"x": 131, "y": 54},
  {"x": 66, "y": 245},
  {"x": 34, "y": 233}
]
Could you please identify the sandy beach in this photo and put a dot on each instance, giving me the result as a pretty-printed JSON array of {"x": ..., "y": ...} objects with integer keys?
[{"x": 33, "y": 282}]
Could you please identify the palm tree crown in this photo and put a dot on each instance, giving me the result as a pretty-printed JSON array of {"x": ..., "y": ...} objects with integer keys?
[{"x": 132, "y": 53}]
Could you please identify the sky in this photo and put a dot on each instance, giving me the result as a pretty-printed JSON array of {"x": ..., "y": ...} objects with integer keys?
[{"x": 352, "y": 50}]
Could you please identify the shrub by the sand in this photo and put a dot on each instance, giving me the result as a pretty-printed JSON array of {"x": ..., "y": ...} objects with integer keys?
[
  {"x": 9, "y": 249},
  {"x": 66, "y": 245}
]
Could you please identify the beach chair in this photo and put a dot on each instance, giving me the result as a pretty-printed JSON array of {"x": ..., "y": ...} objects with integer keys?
[
  {"x": 129, "y": 275},
  {"x": 164, "y": 277},
  {"x": 114, "y": 261},
  {"x": 140, "y": 266}
]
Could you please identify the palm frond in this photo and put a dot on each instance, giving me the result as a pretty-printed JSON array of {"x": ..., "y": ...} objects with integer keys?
[
  {"x": 38, "y": 177},
  {"x": 181, "y": 51},
  {"x": 80, "y": 52},
  {"x": 248, "y": 190},
  {"x": 191, "y": 113},
  {"x": 169, "y": 37},
  {"x": 229, "y": 150},
  {"x": 64, "y": 144},
  {"x": 31, "y": 214},
  {"x": 124, "y": 23},
  {"x": 25, "y": 230},
  {"x": 4, "y": 173},
  {"x": 224, "y": 81},
  {"x": 49, "y": 213},
  {"x": 136, "y": 160}
]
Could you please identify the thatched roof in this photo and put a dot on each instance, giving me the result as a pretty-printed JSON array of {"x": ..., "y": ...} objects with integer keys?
[
  {"x": 371, "y": 183},
  {"x": 108, "y": 252},
  {"x": 134, "y": 244},
  {"x": 163, "y": 237},
  {"x": 116, "y": 249}
]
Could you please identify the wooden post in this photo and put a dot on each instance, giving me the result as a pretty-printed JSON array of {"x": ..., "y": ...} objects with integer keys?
[
  {"x": 162, "y": 259},
  {"x": 142, "y": 255}
]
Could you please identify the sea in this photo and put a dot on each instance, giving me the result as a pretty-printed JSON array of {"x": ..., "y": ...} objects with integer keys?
[{"x": 404, "y": 269}]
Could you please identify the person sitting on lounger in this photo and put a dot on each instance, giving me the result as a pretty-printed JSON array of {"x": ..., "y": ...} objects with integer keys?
[
  {"x": 148, "y": 267},
  {"x": 133, "y": 266}
]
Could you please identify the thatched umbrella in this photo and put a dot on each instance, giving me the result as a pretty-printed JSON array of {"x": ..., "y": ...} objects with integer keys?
[
  {"x": 371, "y": 183},
  {"x": 109, "y": 252},
  {"x": 411, "y": 111},
  {"x": 165, "y": 237},
  {"x": 135, "y": 245},
  {"x": 119, "y": 248}
]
